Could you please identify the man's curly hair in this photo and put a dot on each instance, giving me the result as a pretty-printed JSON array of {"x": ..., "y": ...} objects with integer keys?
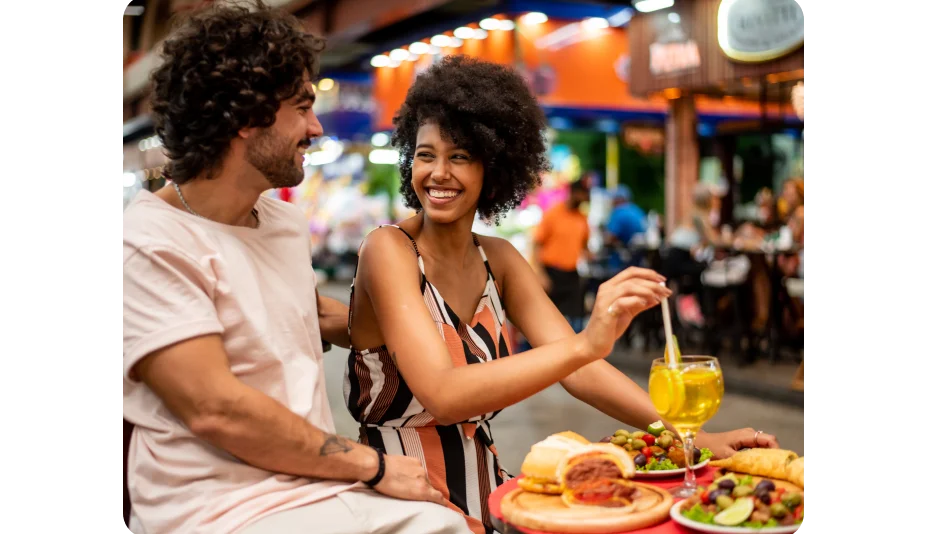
[
  {"x": 225, "y": 68},
  {"x": 486, "y": 109}
]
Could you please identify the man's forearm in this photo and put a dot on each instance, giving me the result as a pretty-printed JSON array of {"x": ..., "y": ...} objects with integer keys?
[
  {"x": 333, "y": 321},
  {"x": 262, "y": 432}
]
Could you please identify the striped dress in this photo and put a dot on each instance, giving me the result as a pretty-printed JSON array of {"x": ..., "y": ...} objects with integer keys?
[{"x": 460, "y": 459}]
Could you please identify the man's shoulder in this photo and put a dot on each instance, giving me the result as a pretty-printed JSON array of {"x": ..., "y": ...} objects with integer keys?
[
  {"x": 150, "y": 223},
  {"x": 146, "y": 216},
  {"x": 283, "y": 212}
]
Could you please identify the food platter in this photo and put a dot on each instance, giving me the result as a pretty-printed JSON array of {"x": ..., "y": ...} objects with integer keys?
[
  {"x": 736, "y": 503},
  {"x": 549, "y": 513},
  {"x": 677, "y": 516}
]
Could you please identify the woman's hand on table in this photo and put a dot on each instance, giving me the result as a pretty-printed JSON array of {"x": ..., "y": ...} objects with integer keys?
[{"x": 725, "y": 444}]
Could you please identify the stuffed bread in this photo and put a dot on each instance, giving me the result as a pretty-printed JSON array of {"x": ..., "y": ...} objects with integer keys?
[
  {"x": 598, "y": 475},
  {"x": 540, "y": 465}
]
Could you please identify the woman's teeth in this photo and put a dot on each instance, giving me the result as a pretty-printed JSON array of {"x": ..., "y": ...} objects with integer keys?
[{"x": 443, "y": 194}]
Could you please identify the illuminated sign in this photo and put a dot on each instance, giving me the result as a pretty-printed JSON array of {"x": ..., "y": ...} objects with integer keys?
[
  {"x": 760, "y": 30},
  {"x": 670, "y": 58}
]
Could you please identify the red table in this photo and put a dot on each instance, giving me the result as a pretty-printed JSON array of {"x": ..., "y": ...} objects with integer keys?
[{"x": 704, "y": 477}]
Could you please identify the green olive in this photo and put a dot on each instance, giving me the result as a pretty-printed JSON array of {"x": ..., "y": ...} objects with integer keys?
[
  {"x": 665, "y": 441},
  {"x": 628, "y": 447},
  {"x": 621, "y": 432},
  {"x": 638, "y": 444},
  {"x": 619, "y": 440},
  {"x": 778, "y": 510},
  {"x": 724, "y": 501},
  {"x": 792, "y": 500},
  {"x": 638, "y": 434},
  {"x": 713, "y": 486},
  {"x": 742, "y": 491}
]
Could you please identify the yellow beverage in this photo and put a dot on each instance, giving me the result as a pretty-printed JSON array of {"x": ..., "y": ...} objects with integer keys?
[{"x": 686, "y": 396}]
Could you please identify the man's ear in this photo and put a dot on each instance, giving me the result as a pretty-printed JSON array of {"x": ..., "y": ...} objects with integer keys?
[{"x": 245, "y": 133}]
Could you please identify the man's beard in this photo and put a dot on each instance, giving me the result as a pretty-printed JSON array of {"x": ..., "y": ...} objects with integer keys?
[{"x": 272, "y": 155}]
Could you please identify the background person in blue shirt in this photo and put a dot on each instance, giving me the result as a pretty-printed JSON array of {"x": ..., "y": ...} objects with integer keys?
[{"x": 626, "y": 219}]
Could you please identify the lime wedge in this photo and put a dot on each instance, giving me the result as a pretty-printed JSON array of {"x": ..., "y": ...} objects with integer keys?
[
  {"x": 737, "y": 513},
  {"x": 655, "y": 429}
]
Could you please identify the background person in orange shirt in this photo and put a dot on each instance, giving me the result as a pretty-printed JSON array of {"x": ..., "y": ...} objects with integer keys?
[{"x": 560, "y": 241}]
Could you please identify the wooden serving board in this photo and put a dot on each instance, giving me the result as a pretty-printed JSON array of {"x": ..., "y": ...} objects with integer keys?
[{"x": 549, "y": 513}]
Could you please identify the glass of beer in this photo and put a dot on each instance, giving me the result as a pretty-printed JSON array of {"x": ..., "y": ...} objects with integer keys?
[{"x": 686, "y": 393}]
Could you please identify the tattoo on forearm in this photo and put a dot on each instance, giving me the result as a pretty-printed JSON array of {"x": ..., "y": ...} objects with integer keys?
[{"x": 334, "y": 445}]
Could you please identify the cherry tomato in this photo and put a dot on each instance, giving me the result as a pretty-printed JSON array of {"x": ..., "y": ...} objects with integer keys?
[
  {"x": 798, "y": 513},
  {"x": 648, "y": 438},
  {"x": 647, "y": 452},
  {"x": 705, "y": 497}
]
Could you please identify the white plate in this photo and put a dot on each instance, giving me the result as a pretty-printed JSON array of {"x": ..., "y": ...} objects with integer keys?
[
  {"x": 718, "y": 529},
  {"x": 669, "y": 472}
]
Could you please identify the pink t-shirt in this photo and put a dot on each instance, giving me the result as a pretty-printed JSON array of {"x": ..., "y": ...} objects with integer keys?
[{"x": 184, "y": 276}]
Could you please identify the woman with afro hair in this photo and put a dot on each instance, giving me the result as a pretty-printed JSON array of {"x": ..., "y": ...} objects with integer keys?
[{"x": 431, "y": 363}]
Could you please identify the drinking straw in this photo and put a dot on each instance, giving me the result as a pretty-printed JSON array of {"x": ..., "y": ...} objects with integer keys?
[{"x": 671, "y": 358}]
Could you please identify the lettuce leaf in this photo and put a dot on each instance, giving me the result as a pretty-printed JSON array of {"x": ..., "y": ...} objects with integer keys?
[
  {"x": 704, "y": 454},
  {"x": 654, "y": 465},
  {"x": 698, "y": 514}
]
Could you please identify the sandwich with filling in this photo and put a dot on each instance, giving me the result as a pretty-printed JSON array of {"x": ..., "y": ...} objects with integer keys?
[
  {"x": 539, "y": 469},
  {"x": 598, "y": 475}
]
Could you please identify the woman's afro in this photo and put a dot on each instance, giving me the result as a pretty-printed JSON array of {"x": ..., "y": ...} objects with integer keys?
[{"x": 486, "y": 109}]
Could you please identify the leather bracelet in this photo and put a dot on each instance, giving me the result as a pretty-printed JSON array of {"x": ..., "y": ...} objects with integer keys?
[{"x": 380, "y": 470}]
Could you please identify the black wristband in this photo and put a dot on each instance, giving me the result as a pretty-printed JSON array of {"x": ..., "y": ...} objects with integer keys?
[{"x": 380, "y": 470}]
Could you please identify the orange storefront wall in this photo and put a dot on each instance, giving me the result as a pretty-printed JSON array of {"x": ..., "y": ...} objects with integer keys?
[{"x": 585, "y": 73}]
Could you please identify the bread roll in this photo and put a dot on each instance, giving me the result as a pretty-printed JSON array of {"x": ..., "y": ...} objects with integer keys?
[{"x": 540, "y": 464}]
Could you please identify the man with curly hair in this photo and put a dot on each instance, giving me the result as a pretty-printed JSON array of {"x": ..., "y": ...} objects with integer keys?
[{"x": 223, "y": 326}]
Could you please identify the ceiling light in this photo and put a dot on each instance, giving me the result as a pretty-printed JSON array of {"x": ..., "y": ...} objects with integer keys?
[
  {"x": 507, "y": 25},
  {"x": 326, "y": 83},
  {"x": 419, "y": 48},
  {"x": 480, "y": 33},
  {"x": 455, "y": 43},
  {"x": 647, "y": 6},
  {"x": 595, "y": 23},
  {"x": 464, "y": 32},
  {"x": 489, "y": 24},
  {"x": 534, "y": 18},
  {"x": 380, "y": 61},
  {"x": 399, "y": 54},
  {"x": 441, "y": 40},
  {"x": 380, "y": 139}
]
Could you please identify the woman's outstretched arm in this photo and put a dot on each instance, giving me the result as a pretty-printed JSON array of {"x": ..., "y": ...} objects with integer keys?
[{"x": 389, "y": 275}]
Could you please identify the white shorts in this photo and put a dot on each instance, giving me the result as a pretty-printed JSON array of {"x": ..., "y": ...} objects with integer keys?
[{"x": 363, "y": 512}]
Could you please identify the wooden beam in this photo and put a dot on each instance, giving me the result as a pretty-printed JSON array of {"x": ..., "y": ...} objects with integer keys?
[{"x": 681, "y": 162}]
